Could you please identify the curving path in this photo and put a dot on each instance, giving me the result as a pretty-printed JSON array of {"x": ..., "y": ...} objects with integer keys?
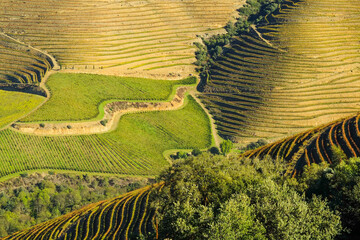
[{"x": 113, "y": 112}]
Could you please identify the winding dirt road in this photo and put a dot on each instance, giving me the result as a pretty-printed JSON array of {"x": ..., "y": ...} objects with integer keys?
[{"x": 113, "y": 112}]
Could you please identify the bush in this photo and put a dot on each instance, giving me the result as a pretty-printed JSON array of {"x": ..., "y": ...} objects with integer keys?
[
  {"x": 214, "y": 150},
  {"x": 104, "y": 122},
  {"x": 226, "y": 147},
  {"x": 24, "y": 175},
  {"x": 181, "y": 155},
  {"x": 42, "y": 125},
  {"x": 69, "y": 126},
  {"x": 196, "y": 152}
]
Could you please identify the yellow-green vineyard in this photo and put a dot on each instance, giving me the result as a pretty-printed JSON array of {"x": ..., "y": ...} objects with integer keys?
[
  {"x": 315, "y": 146},
  {"x": 297, "y": 72},
  {"x": 130, "y": 35},
  {"x": 125, "y": 217},
  {"x": 135, "y": 147}
]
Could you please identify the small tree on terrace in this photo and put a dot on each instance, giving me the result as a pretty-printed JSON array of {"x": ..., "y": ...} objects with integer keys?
[{"x": 226, "y": 147}]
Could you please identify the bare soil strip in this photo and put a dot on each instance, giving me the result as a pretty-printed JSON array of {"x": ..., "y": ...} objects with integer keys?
[{"x": 113, "y": 112}]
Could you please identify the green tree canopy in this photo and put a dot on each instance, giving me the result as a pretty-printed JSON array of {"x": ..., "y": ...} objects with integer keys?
[{"x": 213, "y": 197}]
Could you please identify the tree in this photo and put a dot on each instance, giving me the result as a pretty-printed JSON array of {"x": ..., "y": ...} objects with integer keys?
[
  {"x": 196, "y": 152},
  {"x": 236, "y": 221},
  {"x": 340, "y": 184},
  {"x": 226, "y": 147},
  {"x": 214, "y": 150},
  {"x": 337, "y": 155},
  {"x": 213, "y": 197}
]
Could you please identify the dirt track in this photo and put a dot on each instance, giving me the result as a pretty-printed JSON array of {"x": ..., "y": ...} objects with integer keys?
[{"x": 113, "y": 112}]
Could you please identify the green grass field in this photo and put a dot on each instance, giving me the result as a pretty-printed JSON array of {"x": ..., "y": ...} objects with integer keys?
[
  {"x": 134, "y": 148},
  {"x": 78, "y": 96},
  {"x": 14, "y": 105}
]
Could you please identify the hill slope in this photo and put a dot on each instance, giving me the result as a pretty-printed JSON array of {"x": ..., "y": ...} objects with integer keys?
[
  {"x": 123, "y": 217},
  {"x": 297, "y": 72},
  {"x": 21, "y": 67},
  {"x": 126, "y": 36},
  {"x": 315, "y": 146}
]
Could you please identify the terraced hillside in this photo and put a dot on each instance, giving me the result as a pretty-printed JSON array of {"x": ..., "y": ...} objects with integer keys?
[
  {"x": 135, "y": 147},
  {"x": 297, "y": 72},
  {"x": 125, "y": 36},
  {"x": 125, "y": 217},
  {"x": 21, "y": 67},
  {"x": 76, "y": 97},
  {"x": 315, "y": 146}
]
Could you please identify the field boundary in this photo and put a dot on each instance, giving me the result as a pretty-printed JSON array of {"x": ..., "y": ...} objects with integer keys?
[{"x": 112, "y": 114}]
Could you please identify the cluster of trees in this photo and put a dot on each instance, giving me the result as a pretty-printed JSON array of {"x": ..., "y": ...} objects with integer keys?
[
  {"x": 44, "y": 199},
  {"x": 225, "y": 149},
  {"x": 214, "y": 197},
  {"x": 253, "y": 12}
]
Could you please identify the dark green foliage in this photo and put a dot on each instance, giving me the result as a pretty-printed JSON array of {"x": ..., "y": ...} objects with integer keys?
[
  {"x": 181, "y": 155},
  {"x": 42, "y": 125},
  {"x": 337, "y": 155},
  {"x": 104, "y": 122},
  {"x": 26, "y": 202},
  {"x": 212, "y": 197},
  {"x": 340, "y": 184},
  {"x": 254, "y": 145},
  {"x": 196, "y": 152},
  {"x": 214, "y": 150},
  {"x": 253, "y": 12},
  {"x": 24, "y": 175}
]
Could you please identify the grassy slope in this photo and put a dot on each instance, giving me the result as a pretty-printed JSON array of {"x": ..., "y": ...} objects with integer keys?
[
  {"x": 13, "y": 105},
  {"x": 135, "y": 148},
  {"x": 77, "y": 96}
]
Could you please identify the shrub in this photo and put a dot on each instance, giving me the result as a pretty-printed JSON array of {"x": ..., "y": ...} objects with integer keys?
[
  {"x": 214, "y": 150},
  {"x": 42, "y": 125},
  {"x": 104, "y": 122},
  {"x": 24, "y": 175},
  {"x": 226, "y": 147},
  {"x": 181, "y": 155},
  {"x": 196, "y": 152}
]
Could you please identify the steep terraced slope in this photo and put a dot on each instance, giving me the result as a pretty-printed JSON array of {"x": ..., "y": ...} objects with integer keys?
[
  {"x": 123, "y": 217},
  {"x": 125, "y": 36},
  {"x": 21, "y": 67},
  {"x": 315, "y": 146},
  {"x": 297, "y": 72}
]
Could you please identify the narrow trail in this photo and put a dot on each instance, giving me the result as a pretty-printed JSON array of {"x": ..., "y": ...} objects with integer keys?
[
  {"x": 253, "y": 27},
  {"x": 55, "y": 63},
  {"x": 56, "y": 67},
  {"x": 113, "y": 112},
  {"x": 214, "y": 131},
  {"x": 111, "y": 117}
]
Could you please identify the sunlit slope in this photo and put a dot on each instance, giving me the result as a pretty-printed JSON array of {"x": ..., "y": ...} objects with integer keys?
[
  {"x": 315, "y": 146},
  {"x": 125, "y": 217},
  {"x": 135, "y": 147},
  {"x": 126, "y": 36},
  {"x": 14, "y": 105},
  {"x": 296, "y": 73},
  {"x": 20, "y": 65}
]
